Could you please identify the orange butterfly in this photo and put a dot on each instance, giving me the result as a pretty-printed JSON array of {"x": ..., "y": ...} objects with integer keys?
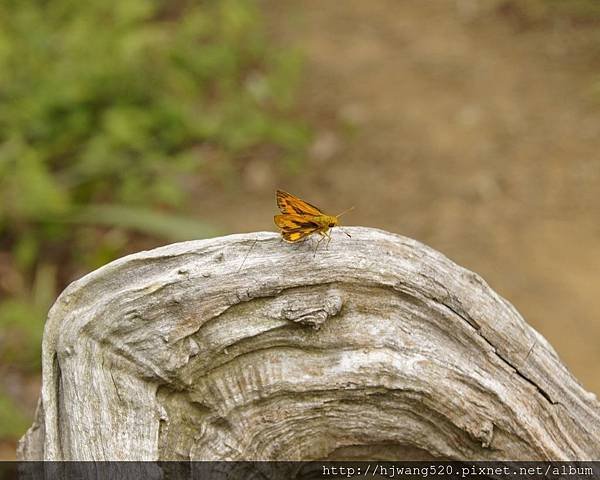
[{"x": 299, "y": 219}]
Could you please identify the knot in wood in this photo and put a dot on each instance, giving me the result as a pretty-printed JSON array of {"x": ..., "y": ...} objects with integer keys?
[{"x": 311, "y": 307}]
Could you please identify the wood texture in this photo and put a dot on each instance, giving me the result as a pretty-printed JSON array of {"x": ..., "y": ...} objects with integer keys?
[{"x": 378, "y": 347}]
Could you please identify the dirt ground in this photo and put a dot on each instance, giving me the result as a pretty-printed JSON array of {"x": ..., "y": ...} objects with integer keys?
[{"x": 465, "y": 127}]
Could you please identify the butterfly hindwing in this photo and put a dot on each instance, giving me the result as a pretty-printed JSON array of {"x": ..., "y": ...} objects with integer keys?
[
  {"x": 295, "y": 235},
  {"x": 295, "y": 227}
]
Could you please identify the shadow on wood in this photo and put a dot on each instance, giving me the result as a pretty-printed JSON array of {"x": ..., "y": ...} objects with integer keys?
[{"x": 377, "y": 348}]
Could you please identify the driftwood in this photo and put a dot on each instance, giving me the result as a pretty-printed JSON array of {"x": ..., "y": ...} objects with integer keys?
[{"x": 377, "y": 347}]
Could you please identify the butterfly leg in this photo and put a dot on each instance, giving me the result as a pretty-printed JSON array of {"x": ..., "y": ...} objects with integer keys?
[
  {"x": 318, "y": 242},
  {"x": 328, "y": 235}
]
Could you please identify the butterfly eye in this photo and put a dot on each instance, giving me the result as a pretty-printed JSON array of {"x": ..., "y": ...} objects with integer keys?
[{"x": 331, "y": 225}]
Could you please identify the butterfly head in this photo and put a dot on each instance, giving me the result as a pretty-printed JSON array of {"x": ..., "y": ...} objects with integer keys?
[
  {"x": 331, "y": 222},
  {"x": 327, "y": 221}
]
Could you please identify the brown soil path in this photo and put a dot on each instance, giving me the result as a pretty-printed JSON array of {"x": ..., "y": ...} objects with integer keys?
[{"x": 463, "y": 129}]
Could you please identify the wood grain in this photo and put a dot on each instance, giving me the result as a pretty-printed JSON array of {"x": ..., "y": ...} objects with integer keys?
[{"x": 378, "y": 347}]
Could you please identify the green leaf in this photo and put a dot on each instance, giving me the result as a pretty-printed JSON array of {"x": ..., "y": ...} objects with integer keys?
[{"x": 169, "y": 226}]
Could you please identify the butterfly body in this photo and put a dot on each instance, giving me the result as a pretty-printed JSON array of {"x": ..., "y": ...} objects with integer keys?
[{"x": 299, "y": 219}]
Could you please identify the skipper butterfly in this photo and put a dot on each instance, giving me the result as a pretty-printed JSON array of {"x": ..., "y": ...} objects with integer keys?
[{"x": 299, "y": 219}]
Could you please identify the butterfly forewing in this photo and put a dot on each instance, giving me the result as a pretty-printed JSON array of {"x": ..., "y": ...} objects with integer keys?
[{"x": 290, "y": 204}]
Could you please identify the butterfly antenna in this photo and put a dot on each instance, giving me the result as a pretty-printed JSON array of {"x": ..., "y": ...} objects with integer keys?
[
  {"x": 338, "y": 216},
  {"x": 248, "y": 253},
  {"x": 345, "y": 211}
]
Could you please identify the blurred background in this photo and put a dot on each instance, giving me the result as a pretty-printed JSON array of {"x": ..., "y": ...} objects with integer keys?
[{"x": 472, "y": 126}]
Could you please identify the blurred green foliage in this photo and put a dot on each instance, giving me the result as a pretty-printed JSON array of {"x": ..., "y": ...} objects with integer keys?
[
  {"x": 13, "y": 421},
  {"x": 108, "y": 111}
]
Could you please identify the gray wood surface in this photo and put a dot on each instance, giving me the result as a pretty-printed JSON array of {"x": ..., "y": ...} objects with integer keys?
[{"x": 377, "y": 347}]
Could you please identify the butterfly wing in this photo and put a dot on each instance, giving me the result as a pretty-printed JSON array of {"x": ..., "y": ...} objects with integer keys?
[
  {"x": 294, "y": 236},
  {"x": 295, "y": 227},
  {"x": 291, "y": 205}
]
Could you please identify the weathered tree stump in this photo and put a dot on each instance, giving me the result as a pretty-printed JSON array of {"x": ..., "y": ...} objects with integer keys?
[{"x": 378, "y": 347}]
